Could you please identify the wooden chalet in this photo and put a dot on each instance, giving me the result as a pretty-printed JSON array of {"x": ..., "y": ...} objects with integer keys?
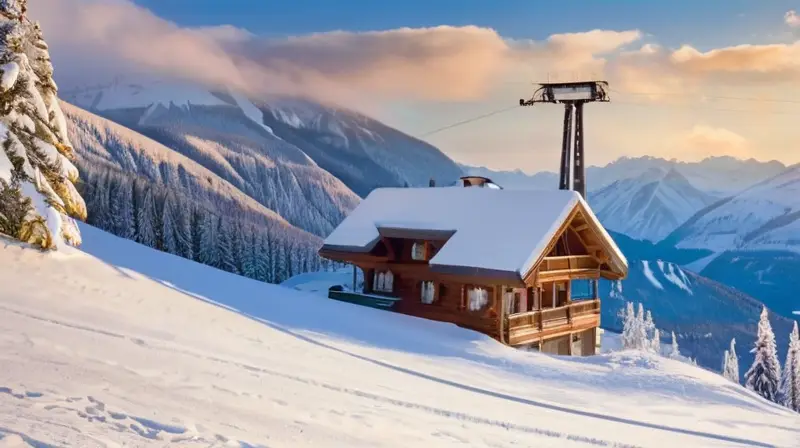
[{"x": 520, "y": 266}]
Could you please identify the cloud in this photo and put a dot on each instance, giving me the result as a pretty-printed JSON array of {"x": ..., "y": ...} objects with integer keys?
[
  {"x": 92, "y": 40},
  {"x": 704, "y": 141},
  {"x": 792, "y": 19}
]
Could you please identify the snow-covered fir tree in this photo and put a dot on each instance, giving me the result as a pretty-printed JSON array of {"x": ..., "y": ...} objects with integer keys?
[
  {"x": 730, "y": 367},
  {"x": 790, "y": 380},
  {"x": 183, "y": 230},
  {"x": 146, "y": 218},
  {"x": 764, "y": 375},
  {"x": 169, "y": 242},
  {"x": 628, "y": 327},
  {"x": 655, "y": 344},
  {"x": 640, "y": 333},
  {"x": 674, "y": 352},
  {"x": 38, "y": 200}
]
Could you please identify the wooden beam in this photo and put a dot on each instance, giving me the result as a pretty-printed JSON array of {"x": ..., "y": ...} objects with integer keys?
[
  {"x": 581, "y": 228},
  {"x": 389, "y": 248}
]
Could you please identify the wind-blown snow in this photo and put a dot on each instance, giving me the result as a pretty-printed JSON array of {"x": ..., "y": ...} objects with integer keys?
[
  {"x": 648, "y": 272},
  {"x": 521, "y": 223},
  {"x": 121, "y": 94},
  {"x": 153, "y": 350},
  {"x": 251, "y": 111}
]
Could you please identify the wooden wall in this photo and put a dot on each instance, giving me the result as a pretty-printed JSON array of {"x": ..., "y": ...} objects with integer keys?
[{"x": 447, "y": 306}]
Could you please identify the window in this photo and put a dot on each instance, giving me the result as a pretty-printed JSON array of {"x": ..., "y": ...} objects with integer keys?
[
  {"x": 583, "y": 289},
  {"x": 383, "y": 281},
  {"x": 418, "y": 251},
  {"x": 477, "y": 299},
  {"x": 428, "y": 293}
]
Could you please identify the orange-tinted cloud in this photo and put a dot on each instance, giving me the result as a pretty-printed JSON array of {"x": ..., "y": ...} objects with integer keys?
[
  {"x": 705, "y": 141},
  {"x": 102, "y": 38}
]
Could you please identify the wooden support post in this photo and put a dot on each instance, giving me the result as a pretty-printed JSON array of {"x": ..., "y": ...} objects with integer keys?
[
  {"x": 354, "y": 278},
  {"x": 502, "y": 313}
]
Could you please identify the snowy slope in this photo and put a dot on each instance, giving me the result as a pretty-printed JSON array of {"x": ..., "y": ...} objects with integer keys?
[
  {"x": 248, "y": 158},
  {"x": 650, "y": 206},
  {"x": 151, "y": 349},
  {"x": 361, "y": 152}
]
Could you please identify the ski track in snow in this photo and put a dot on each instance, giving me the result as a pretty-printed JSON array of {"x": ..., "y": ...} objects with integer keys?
[
  {"x": 650, "y": 276},
  {"x": 677, "y": 278}
]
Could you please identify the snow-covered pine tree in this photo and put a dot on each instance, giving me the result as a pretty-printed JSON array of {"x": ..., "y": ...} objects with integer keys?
[
  {"x": 655, "y": 344},
  {"x": 225, "y": 247},
  {"x": 207, "y": 242},
  {"x": 146, "y": 217},
  {"x": 250, "y": 253},
  {"x": 674, "y": 351},
  {"x": 124, "y": 222},
  {"x": 649, "y": 325},
  {"x": 640, "y": 335},
  {"x": 628, "y": 327},
  {"x": 183, "y": 230},
  {"x": 169, "y": 242},
  {"x": 261, "y": 260},
  {"x": 35, "y": 156},
  {"x": 764, "y": 375},
  {"x": 731, "y": 366},
  {"x": 790, "y": 380}
]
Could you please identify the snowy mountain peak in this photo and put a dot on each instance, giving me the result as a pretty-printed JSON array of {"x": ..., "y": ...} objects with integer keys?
[{"x": 649, "y": 206}]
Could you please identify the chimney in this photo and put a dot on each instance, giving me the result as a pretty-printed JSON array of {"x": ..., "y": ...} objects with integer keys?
[{"x": 432, "y": 183}]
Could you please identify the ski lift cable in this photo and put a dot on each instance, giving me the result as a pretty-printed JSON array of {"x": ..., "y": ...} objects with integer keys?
[
  {"x": 469, "y": 120},
  {"x": 634, "y": 103}
]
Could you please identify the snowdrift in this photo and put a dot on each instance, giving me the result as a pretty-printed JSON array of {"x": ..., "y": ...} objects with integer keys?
[{"x": 119, "y": 344}]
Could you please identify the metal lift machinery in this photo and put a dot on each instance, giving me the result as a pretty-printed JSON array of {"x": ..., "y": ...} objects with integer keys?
[{"x": 573, "y": 95}]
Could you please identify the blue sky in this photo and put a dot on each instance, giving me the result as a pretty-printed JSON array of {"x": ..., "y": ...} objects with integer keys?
[{"x": 705, "y": 23}]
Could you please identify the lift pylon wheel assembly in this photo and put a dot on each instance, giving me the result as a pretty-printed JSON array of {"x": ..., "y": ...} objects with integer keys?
[{"x": 573, "y": 95}]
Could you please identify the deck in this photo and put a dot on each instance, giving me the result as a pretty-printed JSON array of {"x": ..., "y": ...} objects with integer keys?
[
  {"x": 532, "y": 326},
  {"x": 364, "y": 299}
]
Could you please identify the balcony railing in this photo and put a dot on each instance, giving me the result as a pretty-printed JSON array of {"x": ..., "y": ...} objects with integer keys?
[{"x": 554, "y": 317}]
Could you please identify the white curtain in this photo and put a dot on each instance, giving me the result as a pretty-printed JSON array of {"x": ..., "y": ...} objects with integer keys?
[
  {"x": 427, "y": 293},
  {"x": 418, "y": 251},
  {"x": 388, "y": 281},
  {"x": 478, "y": 299},
  {"x": 379, "y": 286}
]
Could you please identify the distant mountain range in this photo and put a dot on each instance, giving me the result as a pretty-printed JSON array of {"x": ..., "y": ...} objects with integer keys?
[
  {"x": 237, "y": 136},
  {"x": 648, "y": 198},
  {"x": 716, "y": 176}
]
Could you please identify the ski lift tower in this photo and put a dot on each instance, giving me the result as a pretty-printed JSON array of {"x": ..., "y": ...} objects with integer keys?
[{"x": 573, "y": 95}]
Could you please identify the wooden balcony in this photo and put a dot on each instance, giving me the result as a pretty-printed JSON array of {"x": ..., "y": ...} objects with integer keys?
[
  {"x": 568, "y": 268},
  {"x": 523, "y": 328}
]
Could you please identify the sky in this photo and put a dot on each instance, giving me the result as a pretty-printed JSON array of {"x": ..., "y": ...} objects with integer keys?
[{"x": 688, "y": 79}]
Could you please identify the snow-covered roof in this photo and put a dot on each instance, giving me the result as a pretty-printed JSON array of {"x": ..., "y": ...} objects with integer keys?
[{"x": 497, "y": 230}]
